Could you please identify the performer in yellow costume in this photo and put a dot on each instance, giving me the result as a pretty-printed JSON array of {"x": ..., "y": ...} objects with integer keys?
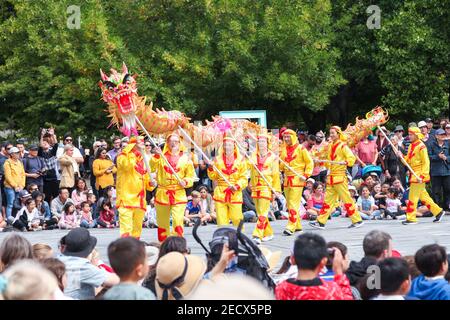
[
  {"x": 300, "y": 161},
  {"x": 417, "y": 158},
  {"x": 171, "y": 194},
  {"x": 228, "y": 200},
  {"x": 267, "y": 164},
  {"x": 337, "y": 181},
  {"x": 132, "y": 181}
]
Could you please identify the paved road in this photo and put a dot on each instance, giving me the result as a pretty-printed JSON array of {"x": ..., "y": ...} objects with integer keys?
[{"x": 407, "y": 239}]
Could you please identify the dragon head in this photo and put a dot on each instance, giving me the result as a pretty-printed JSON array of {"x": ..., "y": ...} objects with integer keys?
[{"x": 119, "y": 90}]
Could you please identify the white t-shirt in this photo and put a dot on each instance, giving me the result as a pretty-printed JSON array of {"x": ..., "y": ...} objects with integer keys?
[
  {"x": 76, "y": 152},
  {"x": 392, "y": 204},
  {"x": 31, "y": 216}
]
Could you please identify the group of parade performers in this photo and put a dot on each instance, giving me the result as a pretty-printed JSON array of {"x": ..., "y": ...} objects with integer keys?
[{"x": 173, "y": 172}]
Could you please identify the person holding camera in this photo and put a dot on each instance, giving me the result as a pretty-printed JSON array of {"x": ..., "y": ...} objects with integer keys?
[
  {"x": 34, "y": 168},
  {"x": 438, "y": 150}
]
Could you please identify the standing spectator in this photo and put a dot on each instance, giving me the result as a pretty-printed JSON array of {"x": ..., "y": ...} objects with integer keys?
[
  {"x": 69, "y": 218},
  {"x": 366, "y": 151},
  {"x": 429, "y": 123},
  {"x": 34, "y": 167},
  {"x": 439, "y": 152},
  {"x": 128, "y": 259},
  {"x": 424, "y": 130},
  {"x": 69, "y": 168},
  {"x": 57, "y": 204},
  {"x": 319, "y": 171},
  {"x": 68, "y": 140},
  {"x": 377, "y": 245},
  {"x": 14, "y": 179},
  {"x": 398, "y": 132},
  {"x": 79, "y": 194},
  {"x": 82, "y": 276},
  {"x": 381, "y": 139},
  {"x": 395, "y": 280},
  {"x": 248, "y": 205},
  {"x": 47, "y": 151},
  {"x": 4, "y": 155},
  {"x": 103, "y": 170},
  {"x": 92, "y": 158},
  {"x": 310, "y": 255},
  {"x": 310, "y": 142},
  {"x": 447, "y": 131},
  {"x": 431, "y": 260},
  {"x": 20, "y": 144},
  {"x": 114, "y": 152},
  {"x": 391, "y": 164}
]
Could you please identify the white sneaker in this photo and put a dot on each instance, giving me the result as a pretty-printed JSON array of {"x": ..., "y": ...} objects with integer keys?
[
  {"x": 268, "y": 238},
  {"x": 257, "y": 240}
]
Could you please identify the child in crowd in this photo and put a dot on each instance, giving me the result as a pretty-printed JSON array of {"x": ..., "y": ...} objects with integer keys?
[
  {"x": 129, "y": 261},
  {"x": 380, "y": 198},
  {"x": 315, "y": 202},
  {"x": 98, "y": 262},
  {"x": 308, "y": 190},
  {"x": 150, "y": 215},
  {"x": 310, "y": 255},
  {"x": 395, "y": 280},
  {"x": 393, "y": 204},
  {"x": 13, "y": 248},
  {"x": 27, "y": 219},
  {"x": 42, "y": 251},
  {"x": 194, "y": 211},
  {"x": 58, "y": 269},
  {"x": 3, "y": 223},
  {"x": 69, "y": 218},
  {"x": 366, "y": 205},
  {"x": 86, "y": 216},
  {"x": 107, "y": 215},
  {"x": 353, "y": 192},
  {"x": 327, "y": 272},
  {"x": 92, "y": 200}
]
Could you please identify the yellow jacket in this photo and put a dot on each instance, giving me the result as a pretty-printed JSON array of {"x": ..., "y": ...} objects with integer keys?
[
  {"x": 103, "y": 179},
  {"x": 269, "y": 168},
  {"x": 169, "y": 191},
  {"x": 339, "y": 152},
  {"x": 417, "y": 158},
  {"x": 236, "y": 174},
  {"x": 299, "y": 159},
  {"x": 132, "y": 179},
  {"x": 14, "y": 174}
]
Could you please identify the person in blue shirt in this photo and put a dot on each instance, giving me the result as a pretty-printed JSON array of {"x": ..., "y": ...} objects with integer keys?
[
  {"x": 194, "y": 211},
  {"x": 432, "y": 261}
]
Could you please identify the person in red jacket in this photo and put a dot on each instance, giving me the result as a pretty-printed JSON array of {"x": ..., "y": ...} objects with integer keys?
[{"x": 311, "y": 255}]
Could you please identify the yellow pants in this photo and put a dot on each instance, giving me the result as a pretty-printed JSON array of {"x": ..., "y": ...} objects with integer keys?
[
  {"x": 334, "y": 193},
  {"x": 228, "y": 211},
  {"x": 163, "y": 220},
  {"x": 293, "y": 199},
  {"x": 130, "y": 220},
  {"x": 263, "y": 228},
  {"x": 418, "y": 192}
]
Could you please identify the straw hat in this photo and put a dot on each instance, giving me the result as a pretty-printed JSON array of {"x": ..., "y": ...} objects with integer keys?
[
  {"x": 272, "y": 257},
  {"x": 177, "y": 275}
]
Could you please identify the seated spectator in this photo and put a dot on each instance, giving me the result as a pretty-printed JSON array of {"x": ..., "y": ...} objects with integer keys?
[
  {"x": 380, "y": 198},
  {"x": 107, "y": 216},
  {"x": 395, "y": 280},
  {"x": 57, "y": 205},
  {"x": 278, "y": 207},
  {"x": 150, "y": 215},
  {"x": 171, "y": 244},
  {"x": 58, "y": 268},
  {"x": 32, "y": 187},
  {"x": 186, "y": 269},
  {"x": 315, "y": 202},
  {"x": 86, "y": 216},
  {"x": 107, "y": 195},
  {"x": 327, "y": 273},
  {"x": 413, "y": 271},
  {"x": 79, "y": 194},
  {"x": 82, "y": 276},
  {"x": 92, "y": 200},
  {"x": 42, "y": 206},
  {"x": 19, "y": 203},
  {"x": 14, "y": 247},
  {"x": 207, "y": 202},
  {"x": 366, "y": 205},
  {"x": 27, "y": 219},
  {"x": 309, "y": 188},
  {"x": 353, "y": 192},
  {"x": 377, "y": 245},
  {"x": 99, "y": 263},
  {"x": 376, "y": 190},
  {"x": 194, "y": 211},
  {"x": 69, "y": 218},
  {"x": 128, "y": 259},
  {"x": 248, "y": 205},
  {"x": 393, "y": 204},
  {"x": 398, "y": 185},
  {"x": 42, "y": 251},
  {"x": 431, "y": 260},
  {"x": 103, "y": 169},
  {"x": 310, "y": 255},
  {"x": 28, "y": 280}
]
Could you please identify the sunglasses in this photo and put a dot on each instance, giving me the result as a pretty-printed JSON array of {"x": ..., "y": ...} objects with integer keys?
[
  {"x": 69, "y": 139},
  {"x": 147, "y": 145},
  {"x": 319, "y": 137}
]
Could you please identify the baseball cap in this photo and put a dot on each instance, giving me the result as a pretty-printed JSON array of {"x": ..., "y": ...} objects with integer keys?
[
  {"x": 311, "y": 180},
  {"x": 428, "y": 120},
  {"x": 24, "y": 194},
  {"x": 439, "y": 132},
  {"x": 13, "y": 150},
  {"x": 33, "y": 147},
  {"x": 422, "y": 124}
]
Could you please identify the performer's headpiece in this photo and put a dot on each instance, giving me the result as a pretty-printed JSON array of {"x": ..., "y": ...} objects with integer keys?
[{"x": 416, "y": 131}]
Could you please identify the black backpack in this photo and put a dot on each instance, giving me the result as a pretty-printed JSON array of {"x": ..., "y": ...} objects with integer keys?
[{"x": 250, "y": 257}]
